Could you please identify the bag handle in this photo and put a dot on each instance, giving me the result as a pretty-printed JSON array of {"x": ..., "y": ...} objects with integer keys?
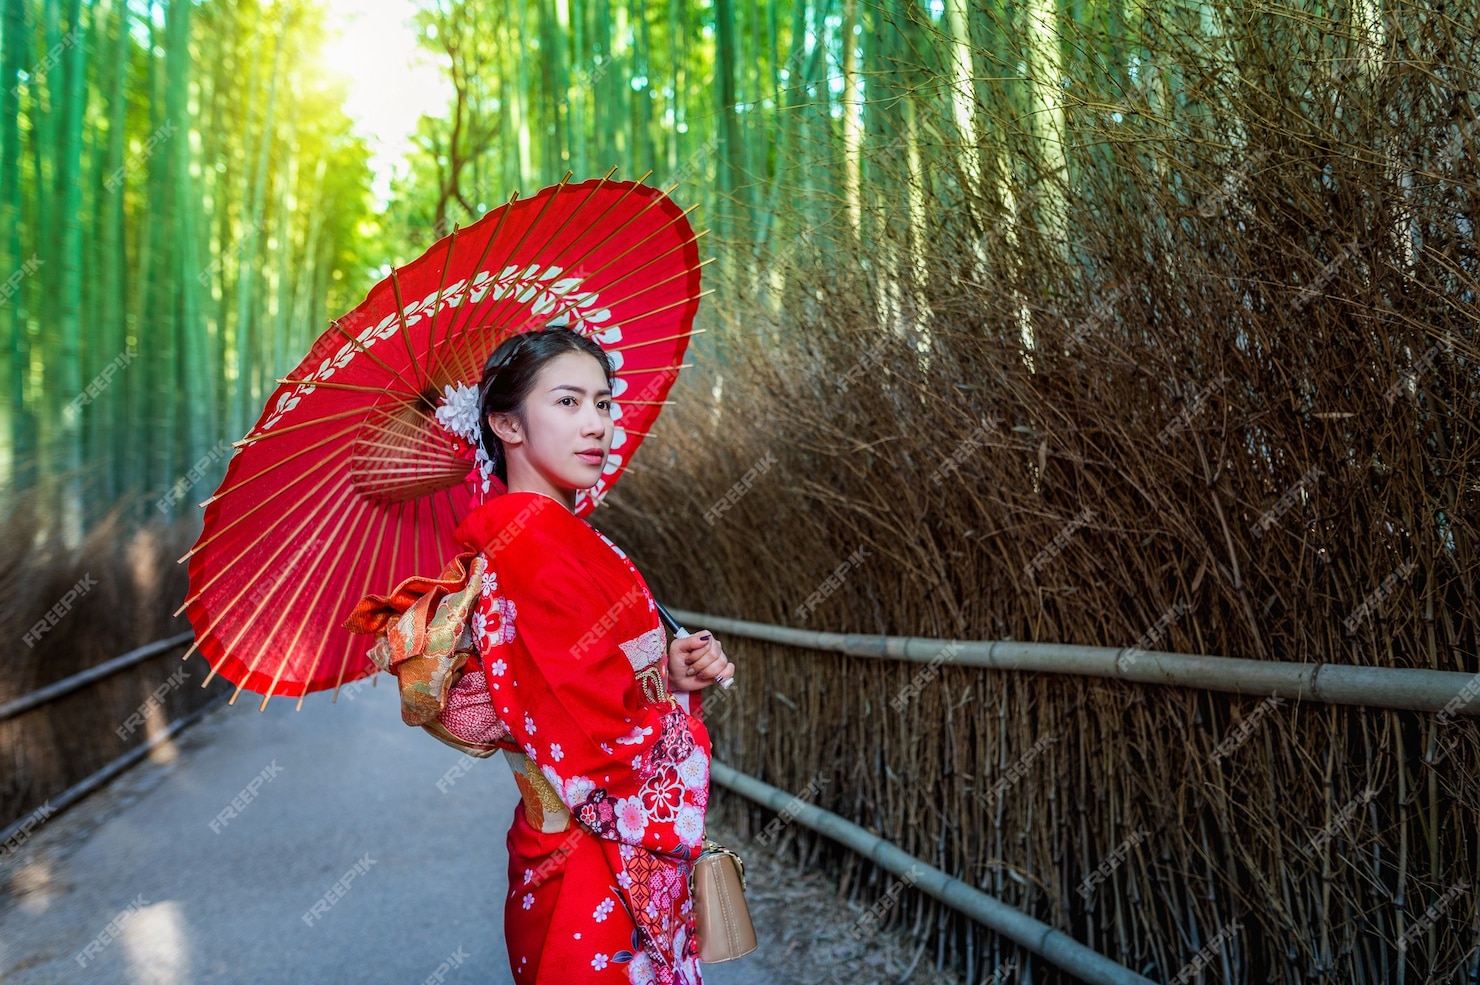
[{"x": 715, "y": 848}]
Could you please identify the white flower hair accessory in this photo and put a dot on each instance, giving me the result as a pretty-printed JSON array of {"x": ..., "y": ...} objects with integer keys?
[{"x": 458, "y": 413}]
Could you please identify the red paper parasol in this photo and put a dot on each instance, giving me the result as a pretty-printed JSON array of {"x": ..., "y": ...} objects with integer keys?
[{"x": 349, "y": 484}]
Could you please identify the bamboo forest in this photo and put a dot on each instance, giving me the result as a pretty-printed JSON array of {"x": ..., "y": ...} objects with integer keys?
[{"x": 1075, "y": 448}]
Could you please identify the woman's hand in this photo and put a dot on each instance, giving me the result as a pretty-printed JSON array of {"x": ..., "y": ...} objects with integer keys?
[{"x": 697, "y": 661}]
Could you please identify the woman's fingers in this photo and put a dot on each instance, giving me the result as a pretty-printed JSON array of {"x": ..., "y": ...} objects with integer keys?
[
  {"x": 717, "y": 673},
  {"x": 696, "y": 650},
  {"x": 705, "y": 662},
  {"x": 703, "y": 659},
  {"x": 719, "y": 668},
  {"x": 716, "y": 662}
]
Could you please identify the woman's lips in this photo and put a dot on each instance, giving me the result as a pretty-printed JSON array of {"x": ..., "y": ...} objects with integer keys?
[{"x": 591, "y": 458}]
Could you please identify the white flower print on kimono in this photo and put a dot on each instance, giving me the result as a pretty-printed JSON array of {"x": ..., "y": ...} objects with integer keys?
[{"x": 632, "y": 772}]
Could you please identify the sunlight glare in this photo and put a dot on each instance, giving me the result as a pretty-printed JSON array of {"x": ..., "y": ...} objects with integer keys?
[
  {"x": 156, "y": 945},
  {"x": 391, "y": 80}
]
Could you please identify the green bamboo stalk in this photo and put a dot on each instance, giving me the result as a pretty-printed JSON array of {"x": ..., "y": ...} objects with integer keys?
[
  {"x": 112, "y": 300},
  {"x": 20, "y": 426},
  {"x": 197, "y": 401},
  {"x": 519, "y": 104},
  {"x": 726, "y": 213},
  {"x": 248, "y": 297}
]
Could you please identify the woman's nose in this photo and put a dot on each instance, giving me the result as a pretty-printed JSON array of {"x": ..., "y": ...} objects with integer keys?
[{"x": 593, "y": 423}]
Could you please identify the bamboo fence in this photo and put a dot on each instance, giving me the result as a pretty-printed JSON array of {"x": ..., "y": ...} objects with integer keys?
[
  {"x": 1179, "y": 354},
  {"x": 112, "y": 592}
]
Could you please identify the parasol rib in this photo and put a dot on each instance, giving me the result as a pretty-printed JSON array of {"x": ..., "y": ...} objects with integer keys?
[
  {"x": 195, "y": 596},
  {"x": 364, "y": 590},
  {"x": 632, "y": 247},
  {"x": 206, "y": 540},
  {"x": 669, "y": 338},
  {"x": 373, "y": 357},
  {"x": 313, "y": 606},
  {"x": 227, "y": 609},
  {"x": 451, "y": 242},
  {"x": 276, "y": 463},
  {"x": 515, "y": 247},
  {"x": 290, "y": 606},
  {"x": 503, "y": 215},
  {"x": 252, "y": 439},
  {"x": 575, "y": 264},
  {"x": 404, "y": 398},
  {"x": 252, "y": 666},
  {"x": 405, "y": 332},
  {"x": 612, "y": 234}
]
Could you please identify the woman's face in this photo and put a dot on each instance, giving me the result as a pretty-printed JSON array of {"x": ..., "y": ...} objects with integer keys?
[{"x": 566, "y": 432}]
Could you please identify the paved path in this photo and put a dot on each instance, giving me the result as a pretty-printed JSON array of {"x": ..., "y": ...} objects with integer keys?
[{"x": 196, "y": 895}]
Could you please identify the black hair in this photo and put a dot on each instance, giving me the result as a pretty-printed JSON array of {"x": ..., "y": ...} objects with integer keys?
[{"x": 510, "y": 373}]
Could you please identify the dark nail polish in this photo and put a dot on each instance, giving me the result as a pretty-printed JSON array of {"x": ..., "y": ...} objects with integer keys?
[{"x": 703, "y": 636}]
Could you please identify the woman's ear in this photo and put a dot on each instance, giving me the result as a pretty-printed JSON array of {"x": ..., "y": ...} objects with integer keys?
[{"x": 506, "y": 428}]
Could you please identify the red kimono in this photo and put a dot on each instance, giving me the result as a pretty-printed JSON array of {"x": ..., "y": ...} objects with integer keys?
[{"x": 614, "y": 772}]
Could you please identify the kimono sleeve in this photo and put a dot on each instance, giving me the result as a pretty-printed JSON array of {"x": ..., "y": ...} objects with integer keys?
[{"x": 631, "y": 770}]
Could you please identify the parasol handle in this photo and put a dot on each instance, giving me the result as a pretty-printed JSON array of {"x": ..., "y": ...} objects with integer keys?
[{"x": 679, "y": 632}]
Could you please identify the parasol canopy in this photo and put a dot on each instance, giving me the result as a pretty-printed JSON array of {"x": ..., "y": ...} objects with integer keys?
[{"x": 349, "y": 483}]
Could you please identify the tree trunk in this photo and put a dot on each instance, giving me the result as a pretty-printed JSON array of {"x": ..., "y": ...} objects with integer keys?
[
  {"x": 159, "y": 399},
  {"x": 137, "y": 448}
]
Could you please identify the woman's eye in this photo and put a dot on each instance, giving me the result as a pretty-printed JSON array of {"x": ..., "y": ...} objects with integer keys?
[
  {"x": 604, "y": 404},
  {"x": 564, "y": 399}
]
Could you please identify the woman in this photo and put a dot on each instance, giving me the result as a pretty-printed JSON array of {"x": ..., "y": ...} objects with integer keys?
[{"x": 614, "y": 772}]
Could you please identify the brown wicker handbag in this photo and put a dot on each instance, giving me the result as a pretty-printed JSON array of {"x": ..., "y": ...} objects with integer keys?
[{"x": 721, "y": 918}]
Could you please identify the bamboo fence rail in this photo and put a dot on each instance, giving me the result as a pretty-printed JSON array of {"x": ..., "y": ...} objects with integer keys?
[
  {"x": 1443, "y": 691},
  {"x": 1064, "y": 952}
]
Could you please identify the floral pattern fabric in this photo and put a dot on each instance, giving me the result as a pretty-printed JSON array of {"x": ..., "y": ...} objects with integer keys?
[{"x": 561, "y": 623}]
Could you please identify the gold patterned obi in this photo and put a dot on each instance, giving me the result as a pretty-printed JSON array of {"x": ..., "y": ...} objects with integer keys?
[
  {"x": 543, "y": 808},
  {"x": 422, "y": 635}
]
